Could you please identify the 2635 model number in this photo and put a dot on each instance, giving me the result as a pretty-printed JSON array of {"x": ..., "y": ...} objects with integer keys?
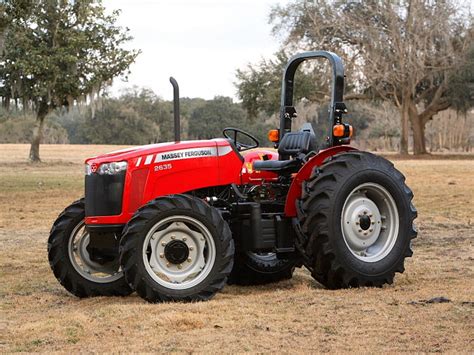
[{"x": 163, "y": 167}]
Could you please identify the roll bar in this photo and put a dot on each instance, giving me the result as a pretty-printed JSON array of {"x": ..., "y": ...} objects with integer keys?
[{"x": 337, "y": 107}]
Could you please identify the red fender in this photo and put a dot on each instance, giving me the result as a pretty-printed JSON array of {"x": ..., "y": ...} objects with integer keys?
[{"x": 305, "y": 172}]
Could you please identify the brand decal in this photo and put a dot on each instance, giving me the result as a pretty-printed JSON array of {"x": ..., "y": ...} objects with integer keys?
[
  {"x": 204, "y": 152},
  {"x": 187, "y": 154}
]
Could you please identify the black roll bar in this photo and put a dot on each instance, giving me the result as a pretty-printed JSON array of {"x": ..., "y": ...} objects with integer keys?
[{"x": 337, "y": 107}]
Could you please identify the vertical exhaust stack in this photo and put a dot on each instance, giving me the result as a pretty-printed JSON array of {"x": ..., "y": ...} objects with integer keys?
[{"x": 177, "y": 128}]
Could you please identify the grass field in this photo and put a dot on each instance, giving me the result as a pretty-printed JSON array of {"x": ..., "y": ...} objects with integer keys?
[{"x": 38, "y": 315}]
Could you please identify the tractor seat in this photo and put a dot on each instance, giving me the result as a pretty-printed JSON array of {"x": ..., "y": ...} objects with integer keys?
[
  {"x": 293, "y": 144},
  {"x": 281, "y": 167}
]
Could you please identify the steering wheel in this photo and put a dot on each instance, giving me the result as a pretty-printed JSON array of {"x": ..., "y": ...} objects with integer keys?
[{"x": 231, "y": 133}]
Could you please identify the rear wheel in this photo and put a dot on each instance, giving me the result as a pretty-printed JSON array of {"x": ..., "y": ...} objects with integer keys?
[
  {"x": 357, "y": 214},
  {"x": 71, "y": 263},
  {"x": 177, "y": 248},
  {"x": 260, "y": 268}
]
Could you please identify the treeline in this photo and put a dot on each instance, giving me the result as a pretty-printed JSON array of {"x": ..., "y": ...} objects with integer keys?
[{"x": 139, "y": 116}]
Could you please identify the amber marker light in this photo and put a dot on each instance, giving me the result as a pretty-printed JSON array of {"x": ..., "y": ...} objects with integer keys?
[
  {"x": 342, "y": 130},
  {"x": 273, "y": 135},
  {"x": 338, "y": 130}
]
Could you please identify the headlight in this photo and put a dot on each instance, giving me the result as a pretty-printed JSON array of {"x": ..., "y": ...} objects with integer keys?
[
  {"x": 88, "y": 169},
  {"x": 112, "y": 168}
]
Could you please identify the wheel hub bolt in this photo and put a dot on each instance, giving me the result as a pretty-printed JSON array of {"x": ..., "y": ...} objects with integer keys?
[
  {"x": 162, "y": 255},
  {"x": 179, "y": 266},
  {"x": 189, "y": 260},
  {"x": 163, "y": 244},
  {"x": 184, "y": 239},
  {"x": 173, "y": 237},
  {"x": 191, "y": 248}
]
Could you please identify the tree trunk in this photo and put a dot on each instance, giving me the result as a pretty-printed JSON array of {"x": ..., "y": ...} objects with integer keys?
[
  {"x": 37, "y": 134},
  {"x": 404, "y": 116},
  {"x": 418, "y": 126}
]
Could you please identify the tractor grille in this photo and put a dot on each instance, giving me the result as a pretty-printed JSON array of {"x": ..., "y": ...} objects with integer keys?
[{"x": 104, "y": 194}]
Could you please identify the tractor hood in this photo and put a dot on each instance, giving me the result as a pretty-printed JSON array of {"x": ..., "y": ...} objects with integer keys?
[{"x": 145, "y": 150}]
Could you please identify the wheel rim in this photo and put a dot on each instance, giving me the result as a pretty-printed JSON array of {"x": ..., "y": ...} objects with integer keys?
[
  {"x": 179, "y": 252},
  {"x": 370, "y": 222},
  {"x": 80, "y": 259},
  {"x": 262, "y": 256}
]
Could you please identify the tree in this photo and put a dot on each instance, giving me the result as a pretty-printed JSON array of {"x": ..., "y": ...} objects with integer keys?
[
  {"x": 57, "y": 53},
  {"x": 259, "y": 85},
  {"x": 404, "y": 51},
  {"x": 210, "y": 118}
]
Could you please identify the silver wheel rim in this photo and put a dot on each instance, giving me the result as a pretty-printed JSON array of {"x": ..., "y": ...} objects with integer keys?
[
  {"x": 370, "y": 222},
  {"x": 80, "y": 260},
  {"x": 201, "y": 252}
]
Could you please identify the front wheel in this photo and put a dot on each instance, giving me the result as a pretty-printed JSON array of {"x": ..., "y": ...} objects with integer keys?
[
  {"x": 357, "y": 214},
  {"x": 71, "y": 263},
  {"x": 177, "y": 248}
]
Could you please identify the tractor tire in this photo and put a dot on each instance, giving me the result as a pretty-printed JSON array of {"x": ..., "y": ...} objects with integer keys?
[
  {"x": 177, "y": 248},
  {"x": 69, "y": 260},
  {"x": 259, "y": 269},
  {"x": 357, "y": 214}
]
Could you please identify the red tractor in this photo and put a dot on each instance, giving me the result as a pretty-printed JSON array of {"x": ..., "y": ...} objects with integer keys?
[{"x": 176, "y": 221}]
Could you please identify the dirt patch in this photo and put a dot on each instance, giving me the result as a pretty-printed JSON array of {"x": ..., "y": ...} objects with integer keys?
[{"x": 298, "y": 315}]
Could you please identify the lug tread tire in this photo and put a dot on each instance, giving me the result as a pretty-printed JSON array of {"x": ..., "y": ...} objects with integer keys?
[
  {"x": 249, "y": 271},
  {"x": 315, "y": 209},
  {"x": 58, "y": 255},
  {"x": 136, "y": 230}
]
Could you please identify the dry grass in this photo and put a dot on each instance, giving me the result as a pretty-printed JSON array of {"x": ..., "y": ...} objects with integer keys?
[{"x": 298, "y": 315}]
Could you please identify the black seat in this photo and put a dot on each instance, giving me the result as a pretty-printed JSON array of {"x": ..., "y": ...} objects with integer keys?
[
  {"x": 293, "y": 144},
  {"x": 281, "y": 167}
]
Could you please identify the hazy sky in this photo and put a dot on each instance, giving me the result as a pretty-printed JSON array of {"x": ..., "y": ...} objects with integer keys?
[{"x": 199, "y": 42}]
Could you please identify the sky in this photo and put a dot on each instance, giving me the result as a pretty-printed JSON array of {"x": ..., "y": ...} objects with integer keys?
[{"x": 200, "y": 42}]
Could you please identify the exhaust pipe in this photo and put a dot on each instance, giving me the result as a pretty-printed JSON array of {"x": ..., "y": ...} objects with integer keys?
[{"x": 177, "y": 129}]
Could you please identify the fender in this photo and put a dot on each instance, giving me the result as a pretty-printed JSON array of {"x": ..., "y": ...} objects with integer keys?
[{"x": 294, "y": 191}]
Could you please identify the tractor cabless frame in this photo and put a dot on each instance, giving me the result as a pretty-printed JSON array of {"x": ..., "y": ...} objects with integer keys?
[{"x": 197, "y": 214}]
